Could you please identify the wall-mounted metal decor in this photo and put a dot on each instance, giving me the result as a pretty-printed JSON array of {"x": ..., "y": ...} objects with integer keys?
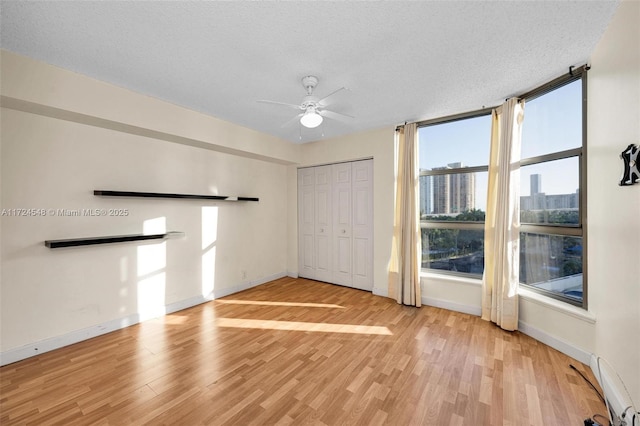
[{"x": 631, "y": 173}]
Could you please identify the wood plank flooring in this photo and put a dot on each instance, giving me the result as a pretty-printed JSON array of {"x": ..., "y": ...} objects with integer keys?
[{"x": 295, "y": 351}]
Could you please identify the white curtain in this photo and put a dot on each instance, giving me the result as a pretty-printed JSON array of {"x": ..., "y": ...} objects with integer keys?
[
  {"x": 502, "y": 222},
  {"x": 404, "y": 267}
]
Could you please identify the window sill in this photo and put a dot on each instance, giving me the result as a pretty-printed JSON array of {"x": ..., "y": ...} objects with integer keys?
[
  {"x": 526, "y": 294},
  {"x": 458, "y": 279},
  {"x": 557, "y": 305}
]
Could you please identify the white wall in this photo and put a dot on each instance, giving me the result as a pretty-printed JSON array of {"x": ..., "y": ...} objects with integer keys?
[
  {"x": 379, "y": 145},
  {"x": 53, "y": 297},
  {"x": 450, "y": 292},
  {"x": 614, "y": 211}
]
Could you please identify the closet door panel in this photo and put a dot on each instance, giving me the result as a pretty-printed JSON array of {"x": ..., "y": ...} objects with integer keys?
[
  {"x": 342, "y": 236},
  {"x": 362, "y": 211},
  {"x": 307, "y": 269},
  {"x": 323, "y": 223},
  {"x": 306, "y": 222},
  {"x": 360, "y": 261}
]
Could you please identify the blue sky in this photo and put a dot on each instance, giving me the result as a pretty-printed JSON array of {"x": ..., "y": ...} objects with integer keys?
[{"x": 552, "y": 122}]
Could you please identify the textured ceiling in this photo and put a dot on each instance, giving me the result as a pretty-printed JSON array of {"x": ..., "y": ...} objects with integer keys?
[{"x": 402, "y": 61}]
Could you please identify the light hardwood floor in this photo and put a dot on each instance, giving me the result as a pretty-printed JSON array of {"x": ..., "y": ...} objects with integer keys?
[{"x": 295, "y": 351}]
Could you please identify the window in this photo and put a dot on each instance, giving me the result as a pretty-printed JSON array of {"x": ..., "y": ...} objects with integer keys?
[
  {"x": 454, "y": 156},
  {"x": 552, "y": 188}
]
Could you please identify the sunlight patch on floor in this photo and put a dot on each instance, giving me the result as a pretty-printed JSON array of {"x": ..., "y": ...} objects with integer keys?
[
  {"x": 303, "y": 326},
  {"x": 267, "y": 303}
]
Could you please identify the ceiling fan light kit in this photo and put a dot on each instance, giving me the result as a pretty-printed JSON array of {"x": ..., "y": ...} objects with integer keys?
[
  {"x": 313, "y": 110},
  {"x": 311, "y": 118}
]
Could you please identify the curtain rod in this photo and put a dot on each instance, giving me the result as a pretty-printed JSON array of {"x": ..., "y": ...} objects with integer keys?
[
  {"x": 573, "y": 74},
  {"x": 399, "y": 126}
]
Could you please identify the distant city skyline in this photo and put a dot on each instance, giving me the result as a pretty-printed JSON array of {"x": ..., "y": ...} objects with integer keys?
[
  {"x": 457, "y": 193},
  {"x": 552, "y": 123},
  {"x": 539, "y": 200}
]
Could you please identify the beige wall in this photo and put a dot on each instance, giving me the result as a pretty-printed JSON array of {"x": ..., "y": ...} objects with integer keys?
[
  {"x": 58, "y": 144},
  {"x": 37, "y": 87},
  {"x": 614, "y": 211}
]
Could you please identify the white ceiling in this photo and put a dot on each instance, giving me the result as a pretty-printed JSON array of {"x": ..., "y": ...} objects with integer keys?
[{"x": 402, "y": 61}]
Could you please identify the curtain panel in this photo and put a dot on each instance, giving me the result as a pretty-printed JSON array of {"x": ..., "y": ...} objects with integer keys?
[
  {"x": 502, "y": 223},
  {"x": 404, "y": 266}
]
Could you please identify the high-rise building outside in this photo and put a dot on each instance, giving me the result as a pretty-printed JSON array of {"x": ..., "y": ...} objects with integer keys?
[
  {"x": 425, "y": 195},
  {"x": 535, "y": 183},
  {"x": 440, "y": 192},
  {"x": 462, "y": 190},
  {"x": 453, "y": 193}
]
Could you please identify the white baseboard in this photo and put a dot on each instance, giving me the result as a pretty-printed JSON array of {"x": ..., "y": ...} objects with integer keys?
[
  {"x": 452, "y": 306},
  {"x": 46, "y": 345},
  {"x": 541, "y": 336},
  {"x": 246, "y": 285},
  {"x": 384, "y": 292},
  {"x": 556, "y": 343}
]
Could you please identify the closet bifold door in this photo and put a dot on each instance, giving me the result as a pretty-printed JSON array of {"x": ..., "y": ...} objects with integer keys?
[
  {"x": 341, "y": 239},
  {"x": 323, "y": 224},
  {"x": 362, "y": 224},
  {"x": 306, "y": 223},
  {"x": 335, "y": 223}
]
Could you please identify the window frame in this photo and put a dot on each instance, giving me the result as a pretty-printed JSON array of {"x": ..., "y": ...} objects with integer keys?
[
  {"x": 574, "y": 230},
  {"x": 571, "y": 230},
  {"x": 453, "y": 224}
]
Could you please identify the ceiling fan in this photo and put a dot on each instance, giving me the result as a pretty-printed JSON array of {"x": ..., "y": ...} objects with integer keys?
[{"x": 312, "y": 109}]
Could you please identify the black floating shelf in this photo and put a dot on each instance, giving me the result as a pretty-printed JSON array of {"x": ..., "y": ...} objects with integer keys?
[
  {"x": 75, "y": 242},
  {"x": 104, "y": 193}
]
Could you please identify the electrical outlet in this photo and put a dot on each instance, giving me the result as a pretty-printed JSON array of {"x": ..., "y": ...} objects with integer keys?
[{"x": 243, "y": 274}]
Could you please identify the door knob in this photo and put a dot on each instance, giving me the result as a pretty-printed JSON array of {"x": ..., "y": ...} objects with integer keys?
[{"x": 344, "y": 231}]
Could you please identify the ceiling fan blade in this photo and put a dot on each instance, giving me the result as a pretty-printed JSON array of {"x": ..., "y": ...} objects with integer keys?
[
  {"x": 290, "y": 122},
  {"x": 331, "y": 94},
  {"x": 334, "y": 115},
  {"x": 280, "y": 103}
]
